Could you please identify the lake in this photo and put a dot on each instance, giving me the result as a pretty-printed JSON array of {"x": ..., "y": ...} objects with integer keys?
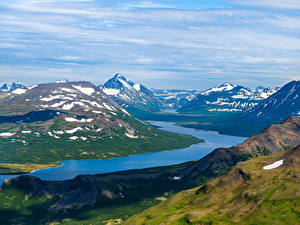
[{"x": 72, "y": 168}]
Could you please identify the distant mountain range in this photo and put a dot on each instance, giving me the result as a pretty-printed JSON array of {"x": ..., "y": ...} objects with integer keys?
[
  {"x": 277, "y": 107},
  {"x": 131, "y": 95},
  {"x": 11, "y": 86},
  {"x": 271, "y": 104},
  {"x": 228, "y": 97},
  {"x": 174, "y": 98}
]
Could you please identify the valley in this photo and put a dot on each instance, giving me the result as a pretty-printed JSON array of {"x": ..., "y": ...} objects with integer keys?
[
  {"x": 113, "y": 151},
  {"x": 88, "y": 195},
  {"x": 149, "y": 112}
]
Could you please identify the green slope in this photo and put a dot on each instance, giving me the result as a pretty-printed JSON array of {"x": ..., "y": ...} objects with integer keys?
[
  {"x": 45, "y": 149},
  {"x": 245, "y": 195}
]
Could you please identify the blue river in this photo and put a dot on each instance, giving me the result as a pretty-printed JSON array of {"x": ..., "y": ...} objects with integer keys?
[{"x": 72, "y": 168}]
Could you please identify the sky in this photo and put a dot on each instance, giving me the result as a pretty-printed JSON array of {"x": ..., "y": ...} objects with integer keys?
[{"x": 185, "y": 44}]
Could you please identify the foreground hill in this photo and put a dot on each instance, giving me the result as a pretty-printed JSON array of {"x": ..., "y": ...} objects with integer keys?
[
  {"x": 87, "y": 197},
  {"x": 131, "y": 95},
  {"x": 263, "y": 190},
  {"x": 73, "y": 120},
  {"x": 277, "y": 107}
]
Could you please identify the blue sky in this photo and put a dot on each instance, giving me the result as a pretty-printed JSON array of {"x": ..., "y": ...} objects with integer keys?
[{"x": 190, "y": 44}]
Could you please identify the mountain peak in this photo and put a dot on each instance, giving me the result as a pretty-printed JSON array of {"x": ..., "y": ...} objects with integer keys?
[
  {"x": 228, "y": 85},
  {"x": 224, "y": 87},
  {"x": 119, "y": 76},
  {"x": 127, "y": 93}
]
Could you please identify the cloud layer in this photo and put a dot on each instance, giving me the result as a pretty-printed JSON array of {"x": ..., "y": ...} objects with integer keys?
[{"x": 194, "y": 45}]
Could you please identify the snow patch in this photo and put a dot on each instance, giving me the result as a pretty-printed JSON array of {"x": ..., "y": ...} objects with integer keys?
[
  {"x": 131, "y": 136},
  {"x": 19, "y": 91},
  {"x": 70, "y": 119},
  {"x": 137, "y": 87},
  {"x": 7, "y": 134},
  {"x": 85, "y": 90},
  {"x": 108, "y": 107},
  {"x": 72, "y": 131},
  {"x": 111, "y": 91},
  {"x": 26, "y": 132},
  {"x": 71, "y": 105},
  {"x": 74, "y": 138},
  {"x": 274, "y": 165},
  {"x": 34, "y": 86}
]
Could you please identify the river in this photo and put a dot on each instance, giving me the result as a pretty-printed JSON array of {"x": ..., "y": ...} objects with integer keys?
[{"x": 71, "y": 168}]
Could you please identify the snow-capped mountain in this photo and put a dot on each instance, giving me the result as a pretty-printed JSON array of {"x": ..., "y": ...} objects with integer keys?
[
  {"x": 77, "y": 107},
  {"x": 263, "y": 93},
  {"x": 11, "y": 86},
  {"x": 279, "y": 106},
  {"x": 131, "y": 95},
  {"x": 174, "y": 98},
  {"x": 228, "y": 97},
  {"x": 64, "y": 96}
]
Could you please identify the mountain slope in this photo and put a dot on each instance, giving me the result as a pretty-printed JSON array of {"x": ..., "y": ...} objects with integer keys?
[
  {"x": 277, "y": 107},
  {"x": 74, "y": 120},
  {"x": 272, "y": 140},
  {"x": 254, "y": 195},
  {"x": 227, "y": 97},
  {"x": 131, "y": 95}
]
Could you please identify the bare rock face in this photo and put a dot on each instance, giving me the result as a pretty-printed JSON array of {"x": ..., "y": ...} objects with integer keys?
[{"x": 274, "y": 138}]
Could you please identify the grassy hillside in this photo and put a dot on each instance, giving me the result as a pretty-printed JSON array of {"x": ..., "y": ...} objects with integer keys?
[
  {"x": 245, "y": 195},
  {"x": 38, "y": 147}
]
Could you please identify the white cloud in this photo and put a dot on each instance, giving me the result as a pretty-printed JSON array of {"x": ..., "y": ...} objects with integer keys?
[
  {"x": 284, "y": 4},
  {"x": 93, "y": 41}
]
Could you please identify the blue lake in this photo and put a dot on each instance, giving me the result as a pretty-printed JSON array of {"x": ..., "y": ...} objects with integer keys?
[{"x": 71, "y": 168}]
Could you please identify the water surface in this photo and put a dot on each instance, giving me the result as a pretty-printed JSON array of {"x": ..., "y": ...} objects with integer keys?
[{"x": 72, "y": 168}]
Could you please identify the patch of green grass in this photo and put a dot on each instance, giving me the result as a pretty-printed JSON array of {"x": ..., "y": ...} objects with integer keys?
[
  {"x": 266, "y": 197},
  {"x": 18, "y": 208}
]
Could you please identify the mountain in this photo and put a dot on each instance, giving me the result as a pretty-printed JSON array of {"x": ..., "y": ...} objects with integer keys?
[
  {"x": 228, "y": 98},
  {"x": 277, "y": 107},
  {"x": 73, "y": 120},
  {"x": 12, "y": 86},
  {"x": 174, "y": 98},
  {"x": 86, "y": 195},
  {"x": 263, "y": 190},
  {"x": 131, "y": 95}
]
